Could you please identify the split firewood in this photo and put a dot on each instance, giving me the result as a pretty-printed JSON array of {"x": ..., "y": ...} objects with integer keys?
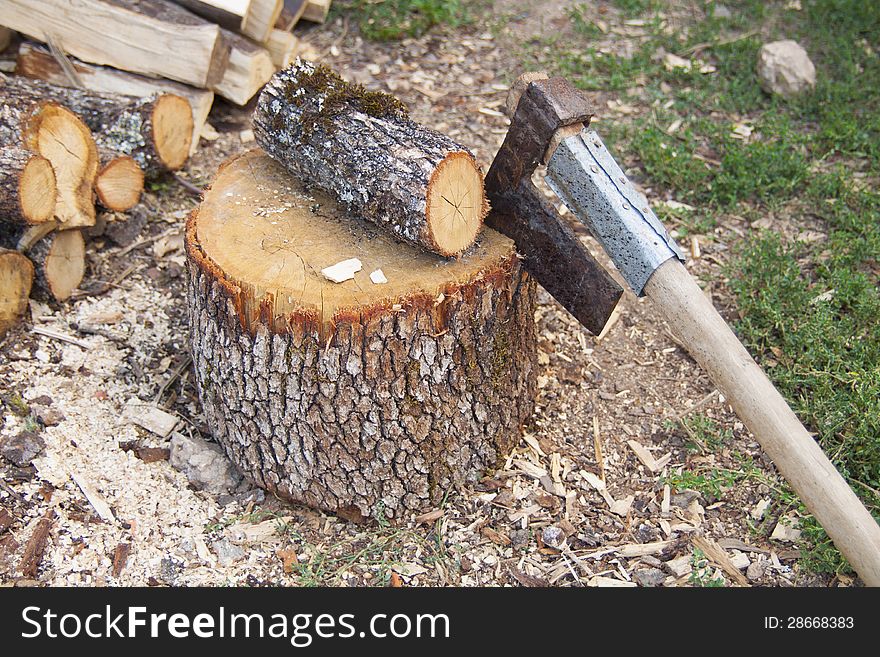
[
  {"x": 27, "y": 187},
  {"x": 59, "y": 262},
  {"x": 317, "y": 10},
  {"x": 155, "y": 131},
  {"x": 291, "y": 12},
  {"x": 152, "y": 37},
  {"x": 120, "y": 182},
  {"x": 29, "y": 121},
  {"x": 282, "y": 48},
  {"x": 361, "y": 146},
  {"x": 295, "y": 371},
  {"x": 35, "y": 61},
  {"x": 16, "y": 278},
  {"x": 250, "y": 67},
  {"x": 253, "y": 18}
]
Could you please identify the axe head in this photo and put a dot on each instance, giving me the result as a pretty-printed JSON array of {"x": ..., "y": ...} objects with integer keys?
[{"x": 551, "y": 250}]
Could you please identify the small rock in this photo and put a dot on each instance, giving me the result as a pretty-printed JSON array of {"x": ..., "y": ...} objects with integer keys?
[
  {"x": 679, "y": 567},
  {"x": 649, "y": 577},
  {"x": 720, "y": 11},
  {"x": 553, "y": 536},
  {"x": 755, "y": 571},
  {"x": 204, "y": 464},
  {"x": 784, "y": 68},
  {"x": 519, "y": 537},
  {"x": 683, "y": 499},
  {"x": 378, "y": 277},
  {"x": 227, "y": 552},
  {"x": 786, "y": 530},
  {"x": 49, "y": 417},
  {"x": 23, "y": 448},
  {"x": 740, "y": 560}
]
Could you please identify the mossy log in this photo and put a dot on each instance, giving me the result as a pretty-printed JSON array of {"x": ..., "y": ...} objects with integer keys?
[
  {"x": 352, "y": 396},
  {"x": 155, "y": 131},
  {"x": 31, "y": 121},
  {"x": 360, "y": 146}
]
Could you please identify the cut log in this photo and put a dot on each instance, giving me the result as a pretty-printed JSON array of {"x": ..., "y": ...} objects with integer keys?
[
  {"x": 250, "y": 67},
  {"x": 348, "y": 396},
  {"x": 282, "y": 48},
  {"x": 155, "y": 131},
  {"x": 27, "y": 120},
  {"x": 317, "y": 10},
  {"x": 16, "y": 278},
  {"x": 120, "y": 182},
  {"x": 60, "y": 262},
  {"x": 152, "y": 37},
  {"x": 27, "y": 187},
  {"x": 290, "y": 14},
  {"x": 35, "y": 61},
  {"x": 253, "y": 18},
  {"x": 425, "y": 189}
]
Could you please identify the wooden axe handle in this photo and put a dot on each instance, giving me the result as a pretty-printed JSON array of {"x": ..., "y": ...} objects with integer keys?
[{"x": 762, "y": 409}]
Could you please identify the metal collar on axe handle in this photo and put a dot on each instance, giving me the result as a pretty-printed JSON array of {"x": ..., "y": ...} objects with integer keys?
[{"x": 593, "y": 187}]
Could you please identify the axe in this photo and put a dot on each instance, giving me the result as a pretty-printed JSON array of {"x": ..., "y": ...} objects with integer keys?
[{"x": 549, "y": 125}]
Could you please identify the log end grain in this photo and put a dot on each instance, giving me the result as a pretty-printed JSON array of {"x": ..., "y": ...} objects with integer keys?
[
  {"x": 119, "y": 184},
  {"x": 60, "y": 262},
  {"x": 455, "y": 204},
  {"x": 58, "y": 135},
  {"x": 16, "y": 278},
  {"x": 352, "y": 396},
  {"x": 172, "y": 130},
  {"x": 27, "y": 187}
]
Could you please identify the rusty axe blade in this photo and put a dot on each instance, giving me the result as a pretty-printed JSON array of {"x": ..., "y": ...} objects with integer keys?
[{"x": 552, "y": 252}]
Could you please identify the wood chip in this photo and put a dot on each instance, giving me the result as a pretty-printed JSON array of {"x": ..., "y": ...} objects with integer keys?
[
  {"x": 151, "y": 418},
  {"x": 289, "y": 560},
  {"x": 609, "y": 582},
  {"x": 429, "y": 517},
  {"x": 32, "y": 556},
  {"x": 736, "y": 544},
  {"x": 786, "y": 530},
  {"x": 342, "y": 271},
  {"x": 716, "y": 554},
  {"x": 642, "y": 549},
  {"x": 99, "y": 504},
  {"x": 120, "y": 558},
  {"x": 529, "y": 468},
  {"x": 622, "y": 507},
  {"x": 527, "y": 580},
  {"x": 5, "y": 519},
  {"x": 495, "y": 536},
  {"x": 395, "y": 582},
  {"x": 597, "y": 448}
]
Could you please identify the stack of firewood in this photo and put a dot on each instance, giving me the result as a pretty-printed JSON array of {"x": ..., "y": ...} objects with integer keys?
[{"x": 115, "y": 91}]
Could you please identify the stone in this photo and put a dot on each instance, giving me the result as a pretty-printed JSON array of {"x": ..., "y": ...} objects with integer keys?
[
  {"x": 553, "y": 536},
  {"x": 755, "y": 571},
  {"x": 649, "y": 577},
  {"x": 679, "y": 567},
  {"x": 721, "y": 11},
  {"x": 204, "y": 464},
  {"x": 683, "y": 499},
  {"x": 22, "y": 448},
  {"x": 49, "y": 417},
  {"x": 740, "y": 560},
  {"x": 227, "y": 552},
  {"x": 785, "y": 69}
]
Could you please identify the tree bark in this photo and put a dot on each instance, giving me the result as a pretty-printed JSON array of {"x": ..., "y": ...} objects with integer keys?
[
  {"x": 352, "y": 397},
  {"x": 361, "y": 147},
  {"x": 155, "y": 131},
  {"x": 16, "y": 277},
  {"x": 28, "y": 120},
  {"x": 27, "y": 187}
]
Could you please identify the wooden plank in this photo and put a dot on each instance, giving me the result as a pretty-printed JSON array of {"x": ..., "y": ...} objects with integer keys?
[
  {"x": 317, "y": 10},
  {"x": 35, "y": 61},
  {"x": 250, "y": 67},
  {"x": 152, "y": 37}
]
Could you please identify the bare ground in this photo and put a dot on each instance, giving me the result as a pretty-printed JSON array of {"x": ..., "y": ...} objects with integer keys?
[{"x": 539, "y": 520}]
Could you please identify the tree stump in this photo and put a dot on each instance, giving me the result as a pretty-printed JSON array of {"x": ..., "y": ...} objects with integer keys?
[{"x": 354, "y": 396}]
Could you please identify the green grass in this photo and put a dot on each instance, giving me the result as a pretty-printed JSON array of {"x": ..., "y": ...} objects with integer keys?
[
  {"x": 388, "y": 20},
  {"x": 811, "y": 309}
]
